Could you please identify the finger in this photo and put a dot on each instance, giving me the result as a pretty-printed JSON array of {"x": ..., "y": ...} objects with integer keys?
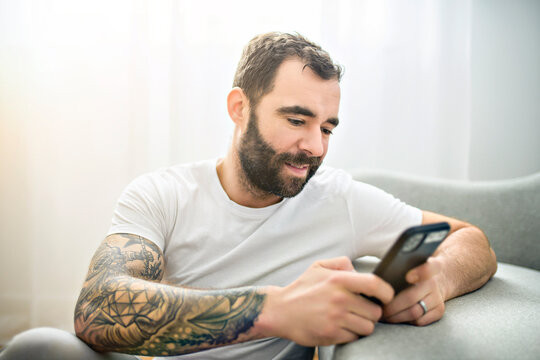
[
  {"x": 424, "y": 272},
  {"x": 408, "y": 297},
  {"x": 335, "y": 335},
  {"x": 362, "y": 307},
  {"x": 344, "y": 336},
  {"x": 434, "y": 314},
  {"x": 415, "y": 312},
  {"x": 339, "y": 263},
  {"x": 367, "y": 284},
  {"x": 358, "y": 324}
]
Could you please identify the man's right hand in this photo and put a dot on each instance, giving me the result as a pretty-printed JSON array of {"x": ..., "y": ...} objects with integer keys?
[{"x": 323, "y": 306}]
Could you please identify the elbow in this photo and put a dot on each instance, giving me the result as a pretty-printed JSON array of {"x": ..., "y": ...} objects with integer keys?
[
  {"x": 493, "y": 262},
  {"x": 81, "y": 323},
  {"x": 491, "y": 258},
  {"x": 88, "y": 333}
]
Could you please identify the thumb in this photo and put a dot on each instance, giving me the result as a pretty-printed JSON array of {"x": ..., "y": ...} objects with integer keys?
[{"x": 339, "y": 263}]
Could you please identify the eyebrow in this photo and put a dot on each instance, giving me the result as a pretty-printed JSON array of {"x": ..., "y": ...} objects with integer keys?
[{"x": 300, "y": 110}]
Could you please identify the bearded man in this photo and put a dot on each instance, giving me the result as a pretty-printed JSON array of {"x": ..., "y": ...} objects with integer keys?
[{"x": 249, "y": 255}]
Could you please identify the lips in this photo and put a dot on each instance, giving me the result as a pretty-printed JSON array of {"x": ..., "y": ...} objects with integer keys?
[
  {"x": 299, "y": 170},
  {"x": 300, "y": 167}
]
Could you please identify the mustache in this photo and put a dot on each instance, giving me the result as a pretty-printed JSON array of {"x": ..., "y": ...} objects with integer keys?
[{"x": 300, "y": 159}]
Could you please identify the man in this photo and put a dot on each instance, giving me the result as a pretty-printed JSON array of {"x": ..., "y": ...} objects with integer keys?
[{"x": 249, "y": 256}]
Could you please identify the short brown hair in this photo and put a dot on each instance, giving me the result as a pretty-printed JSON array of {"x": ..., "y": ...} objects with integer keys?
[{"x": 263, "y": 55}]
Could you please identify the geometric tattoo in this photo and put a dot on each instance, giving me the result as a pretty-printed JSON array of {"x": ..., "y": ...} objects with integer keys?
[
  {"x": 126, "y": 303},
  {"x": 124, "y": 307}
]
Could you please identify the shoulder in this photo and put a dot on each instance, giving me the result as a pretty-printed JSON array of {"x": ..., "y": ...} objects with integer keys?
[
  {"x": 181, "y": 174},
  {"x": 169, "y": 183}
]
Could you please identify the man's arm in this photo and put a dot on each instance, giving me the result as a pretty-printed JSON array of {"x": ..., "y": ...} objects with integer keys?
[
  {"x": 123, "y": 307},
  {"x": 463, "y": 263}
]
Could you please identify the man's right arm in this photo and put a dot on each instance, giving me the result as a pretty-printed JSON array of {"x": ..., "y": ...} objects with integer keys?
[{"x": 124, "y": 307}]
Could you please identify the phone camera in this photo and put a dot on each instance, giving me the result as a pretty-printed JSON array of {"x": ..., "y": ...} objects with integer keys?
[
  {"x": 436, "y": 236},
  {"x": 412, "y": 243}
]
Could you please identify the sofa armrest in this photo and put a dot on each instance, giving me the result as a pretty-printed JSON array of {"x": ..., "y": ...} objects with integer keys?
[{"x": 508, "y": 211}]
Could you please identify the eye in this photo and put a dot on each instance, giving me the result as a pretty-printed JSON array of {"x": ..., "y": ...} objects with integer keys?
[
  {"x": 326, "y": 131},
  {"x": 295, "y": 122}
]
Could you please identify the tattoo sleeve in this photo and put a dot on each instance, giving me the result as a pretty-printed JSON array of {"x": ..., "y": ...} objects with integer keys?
[{"x": 123, "y": 307}]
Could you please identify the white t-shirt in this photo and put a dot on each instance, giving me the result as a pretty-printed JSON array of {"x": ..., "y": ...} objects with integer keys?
[{"x": 209, "y": 241}]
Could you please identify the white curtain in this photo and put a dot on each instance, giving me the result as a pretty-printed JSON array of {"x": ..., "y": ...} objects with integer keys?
[{"x": 94, "y": 93}]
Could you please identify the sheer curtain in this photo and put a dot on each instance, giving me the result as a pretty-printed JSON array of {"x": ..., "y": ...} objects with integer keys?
[
  {"x": 406, "y": 92},
  {"x": 94, "y": 93}
]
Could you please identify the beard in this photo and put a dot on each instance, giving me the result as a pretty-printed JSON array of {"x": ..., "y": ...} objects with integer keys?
[{"x": 262, "y": 166}]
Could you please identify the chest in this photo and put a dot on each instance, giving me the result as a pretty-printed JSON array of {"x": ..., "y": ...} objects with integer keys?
[{"x": 210, "y": 247}]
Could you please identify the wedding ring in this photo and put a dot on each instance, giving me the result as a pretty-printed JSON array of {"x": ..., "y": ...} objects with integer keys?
[{"x": 424, "y": 307}]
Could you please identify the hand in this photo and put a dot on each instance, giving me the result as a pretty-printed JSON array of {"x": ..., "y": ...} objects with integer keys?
[
  {"x": 323, "y": 306},
  {"x": 425, "y": 287}
]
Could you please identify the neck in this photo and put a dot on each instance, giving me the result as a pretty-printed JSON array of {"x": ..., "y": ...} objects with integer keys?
[{"x": 237, "y": 187}]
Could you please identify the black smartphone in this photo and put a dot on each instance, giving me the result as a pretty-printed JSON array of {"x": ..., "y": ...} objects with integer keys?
[{"x": 411, "y": 249}]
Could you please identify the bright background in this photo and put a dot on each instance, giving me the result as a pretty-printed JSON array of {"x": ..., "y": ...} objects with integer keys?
[{"x": 94, "y": 93}]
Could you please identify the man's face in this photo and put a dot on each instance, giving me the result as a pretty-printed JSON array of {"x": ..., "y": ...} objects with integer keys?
[
  {"x": 262, "y": 164},
  {"x": 286, "y": 137}
]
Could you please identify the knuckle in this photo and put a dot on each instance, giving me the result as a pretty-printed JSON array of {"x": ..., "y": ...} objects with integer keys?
[
  {"x": 442, "y": 307},
  {"x": 335, "y": 314},
  {"x": 334, "y": 278},
  {"x": 369, "y": 328},
  {"x": 439, "y": 310},
  {"x": 377, "y": 313},
  {"x": 371, "y": 283},
  {"x": 339, "y": 299},
  {"x": 327, "y": 332},
  {"x": 409, "y": 297},
  {"x": 416, "y": 312}
]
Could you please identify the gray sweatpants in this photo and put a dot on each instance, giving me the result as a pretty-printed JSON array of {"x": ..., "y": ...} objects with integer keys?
[{"x": 49, "y": 343}]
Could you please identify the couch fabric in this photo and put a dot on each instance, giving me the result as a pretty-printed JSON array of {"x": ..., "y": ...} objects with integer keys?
[{"x": 508, "y": 211}]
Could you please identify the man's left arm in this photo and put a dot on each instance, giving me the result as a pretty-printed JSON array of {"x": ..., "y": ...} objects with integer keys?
[{"x": 463, "y": 263}]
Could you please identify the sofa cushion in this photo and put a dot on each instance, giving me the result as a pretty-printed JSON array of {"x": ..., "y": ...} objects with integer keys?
[{"x": 498, "y": 321}]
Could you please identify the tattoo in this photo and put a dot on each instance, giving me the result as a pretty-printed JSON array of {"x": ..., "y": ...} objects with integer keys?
[{"x": 123, "y": 306}]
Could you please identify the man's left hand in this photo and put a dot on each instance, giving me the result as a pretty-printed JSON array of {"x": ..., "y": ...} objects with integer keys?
[{"x": 425, "y": 287}]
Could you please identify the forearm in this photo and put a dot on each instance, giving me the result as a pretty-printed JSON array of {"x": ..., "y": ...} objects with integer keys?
[
  {"x": 136, "y": 316},
  {"x": 468, "y": 261},
  {"x": 124, "y": 307}
]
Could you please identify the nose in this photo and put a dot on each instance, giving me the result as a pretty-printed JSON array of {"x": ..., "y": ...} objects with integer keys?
[{"x": 313, "y": 143}]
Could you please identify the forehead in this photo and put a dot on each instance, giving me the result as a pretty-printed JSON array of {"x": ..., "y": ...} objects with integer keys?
[{"x": 296, "y": 84}]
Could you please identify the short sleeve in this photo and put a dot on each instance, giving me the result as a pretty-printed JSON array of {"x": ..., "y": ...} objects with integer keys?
[
  {"x": 145, "y": 208},
  {"x": 378, "y": 218}
]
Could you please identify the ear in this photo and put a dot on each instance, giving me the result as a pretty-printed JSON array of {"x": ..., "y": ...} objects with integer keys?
[{"x": 237, "y": 106}]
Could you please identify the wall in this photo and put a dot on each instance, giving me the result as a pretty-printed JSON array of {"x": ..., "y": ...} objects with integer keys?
[{"x": 505, "y": 127}]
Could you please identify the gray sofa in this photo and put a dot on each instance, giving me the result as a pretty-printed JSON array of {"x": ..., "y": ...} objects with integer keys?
[{"x": 499, "y": 321}]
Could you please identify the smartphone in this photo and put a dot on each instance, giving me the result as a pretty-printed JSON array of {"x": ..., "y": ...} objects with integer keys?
[{"x": 411, "y": 249}]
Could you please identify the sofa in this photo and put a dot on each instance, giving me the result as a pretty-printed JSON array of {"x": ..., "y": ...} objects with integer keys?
[{"x": 499, "y": 321}]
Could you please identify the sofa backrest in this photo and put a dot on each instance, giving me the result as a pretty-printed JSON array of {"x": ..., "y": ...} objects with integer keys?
[{"x": 508, "y": 211}]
